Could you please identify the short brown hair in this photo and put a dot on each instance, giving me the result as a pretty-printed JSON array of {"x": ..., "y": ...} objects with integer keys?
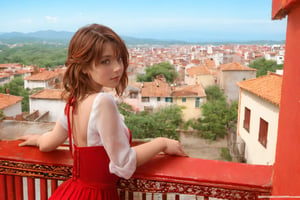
[{"x": 85, "y": 49}]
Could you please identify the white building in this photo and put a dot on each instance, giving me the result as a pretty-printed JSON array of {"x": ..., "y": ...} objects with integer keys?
[
  {"x": 156, "y": 94},
  {"x": 46, "y": 79},
  {"x": 258, "y": 118},
  {"x": 49, "y": 104},
  {"x": 10, "y": 105},
  {"x": 5, "y": 78}
]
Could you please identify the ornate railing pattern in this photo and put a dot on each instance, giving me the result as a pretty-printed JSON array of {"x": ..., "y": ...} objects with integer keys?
[{"x": 164, "y": 174}]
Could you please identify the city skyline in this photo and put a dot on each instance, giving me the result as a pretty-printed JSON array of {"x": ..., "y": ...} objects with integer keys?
[{"x": 191, "y": 20}]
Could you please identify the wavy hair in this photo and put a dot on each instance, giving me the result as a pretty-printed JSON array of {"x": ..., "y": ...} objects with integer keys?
[{"x": 85, "y": 49}]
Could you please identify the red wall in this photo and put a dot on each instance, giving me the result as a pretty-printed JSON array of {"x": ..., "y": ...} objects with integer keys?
[{"x": 286, "y": 174}]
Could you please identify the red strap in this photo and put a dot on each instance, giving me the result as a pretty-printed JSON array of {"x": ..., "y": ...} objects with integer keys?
[
  {"x": 130, "y": 136},
  {"x": 67, "y": 113}
]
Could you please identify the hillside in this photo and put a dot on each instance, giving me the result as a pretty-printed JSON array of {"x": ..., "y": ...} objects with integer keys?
[{"x": 64, "y": 37}]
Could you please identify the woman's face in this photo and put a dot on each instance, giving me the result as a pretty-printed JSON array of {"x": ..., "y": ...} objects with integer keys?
[{"x": 110, "y": 68}]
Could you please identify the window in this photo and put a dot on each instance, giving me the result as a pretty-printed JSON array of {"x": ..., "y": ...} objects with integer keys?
[
  {"x": 197, "y": 102},
  {"x": 169, "y": 99},
  {"x": 247, "y": 119},
  {"x": 183, "y": 99},
  {"x": 158, "y": 98},
  {"x": 145, "y": 99},
  {"x": 263, "y": 132}
]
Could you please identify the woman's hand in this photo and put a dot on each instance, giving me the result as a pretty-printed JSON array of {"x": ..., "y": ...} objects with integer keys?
[
  {"x": 30, "y": 140},
  {"x": 173, "y": 147}
]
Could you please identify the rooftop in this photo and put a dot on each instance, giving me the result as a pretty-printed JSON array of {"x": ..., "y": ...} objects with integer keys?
[
  {"x": 47, "y": 94},
  {"x": 156, "y": 88},
  {"x": 43, "y": 76},
  {"x": 267, "y": 87},
  {"x": 235, "y": 66},
  {"x": 8, "y": 100},
  {"x": 189, "y": 90},
  {"x": 198, "y": 70}
]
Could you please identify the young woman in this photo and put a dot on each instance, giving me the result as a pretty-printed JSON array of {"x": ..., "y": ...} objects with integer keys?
[{"x": 99, "y": 139}]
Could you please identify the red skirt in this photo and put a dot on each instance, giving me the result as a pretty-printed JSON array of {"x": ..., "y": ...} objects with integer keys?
[{"x": 91, "y": 178}]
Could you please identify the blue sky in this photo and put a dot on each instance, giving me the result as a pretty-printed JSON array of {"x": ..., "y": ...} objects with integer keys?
[{"x": 187, "y": 20}]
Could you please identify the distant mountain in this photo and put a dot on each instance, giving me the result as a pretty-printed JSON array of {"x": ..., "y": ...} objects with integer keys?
[
  {"x": 52, "y": 35},
  {"x": 64, "y": 37},
  {"x": 49, "y": 35}
]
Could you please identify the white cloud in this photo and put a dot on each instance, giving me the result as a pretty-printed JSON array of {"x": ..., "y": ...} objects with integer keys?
[{"x": 51, "y": 19}]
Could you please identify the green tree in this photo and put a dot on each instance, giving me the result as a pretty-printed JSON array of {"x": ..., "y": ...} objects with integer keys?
[
  {"x": 263, "y": 66},
  {"x": 214, "y": 92},
  {"x": 164, "y": 68},
  {"x": 16, "y": 87},
  {"x": 217, "y": 116},
  {"x": 162, "y": 123},
  {"x": 41, "y": 55}
]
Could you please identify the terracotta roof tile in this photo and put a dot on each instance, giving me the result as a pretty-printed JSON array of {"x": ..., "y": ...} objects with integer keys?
[
  {"x": 43, "y": 76},
  {"x": 189, "y": 90},
  {"x": 210, "y": 63},
  {"x": 47, "y": 94},
  {"x": 5, "y": 65},
  {"x": 198, "y": 70},
  {"x": 8, "y": 100},
  {"x": 4, "y": 75},
  {"x": 267, "y": 87},
  {"x": 156, "y": 88},
  {"x": 195, "y": 61},
  {"x": 235, "y": 66}
]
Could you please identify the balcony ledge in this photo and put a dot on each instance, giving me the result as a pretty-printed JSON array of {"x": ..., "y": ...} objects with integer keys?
[{"x": 162, "y": 174}]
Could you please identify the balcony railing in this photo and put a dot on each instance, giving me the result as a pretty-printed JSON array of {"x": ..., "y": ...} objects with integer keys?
[{"x": 27, "y": 173}]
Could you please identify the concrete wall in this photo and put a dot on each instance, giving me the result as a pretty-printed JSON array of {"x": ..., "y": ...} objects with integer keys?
[
  {"x": 55, "y": 107},
  {"x": 13, "y": 110},
  {"x": 230, "y": 78}
]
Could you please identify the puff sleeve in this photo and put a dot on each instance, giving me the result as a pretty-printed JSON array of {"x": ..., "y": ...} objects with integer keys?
[{"x": 112, "y": 131}]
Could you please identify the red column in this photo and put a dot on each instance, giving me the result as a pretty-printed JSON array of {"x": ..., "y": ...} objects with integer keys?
[{"x": 286, "y": 174}]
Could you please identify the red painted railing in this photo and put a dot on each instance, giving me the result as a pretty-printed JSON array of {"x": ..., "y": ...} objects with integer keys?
[{"x": 24, "y": 167}]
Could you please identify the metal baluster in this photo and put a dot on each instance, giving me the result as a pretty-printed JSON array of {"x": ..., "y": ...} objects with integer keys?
[
  {"x": 43, "y": 189},
  {"x": 130, "y": 195},
  {"x": 53, "y": 185},
  {"x": 10, "y": 186},
  {"x": 122, "y": 195},
  {"x": 31, "y": 188},
  {"x": 19, "y": 187},
  {"x": 3, "y": 192},
  {"x": 164, "y": 196},
  {"x": 143, "y": 196}
]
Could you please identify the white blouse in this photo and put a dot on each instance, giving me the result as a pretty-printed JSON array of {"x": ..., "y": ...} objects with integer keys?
[{"x": 106, "y": 128}]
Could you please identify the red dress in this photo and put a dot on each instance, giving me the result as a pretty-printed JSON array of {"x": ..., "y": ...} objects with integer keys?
[{"x": 91, "y": 178}]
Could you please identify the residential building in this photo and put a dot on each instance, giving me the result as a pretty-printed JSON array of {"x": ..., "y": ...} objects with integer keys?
[
  {"x": 156, "y": 94},
  {"x": 48, "y": 103},
  {"x": 10, "y": 105},
  {"x": 199, "y": 75},
  {"x": 5, "y": 78},
  {"x": 190, "y": 98},
  {"x": 45, "y": 79},
  {"x": 258, "y": 117},
  {"x": 232, "y": 73}
]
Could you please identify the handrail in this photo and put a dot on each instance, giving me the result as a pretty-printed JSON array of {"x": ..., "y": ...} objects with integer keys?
[{"x": 163, "y": 174}]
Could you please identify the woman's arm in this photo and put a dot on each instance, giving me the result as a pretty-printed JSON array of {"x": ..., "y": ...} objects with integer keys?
[
  {"x": 48, "y": 141},
  {"x": 145, "y": 152}
]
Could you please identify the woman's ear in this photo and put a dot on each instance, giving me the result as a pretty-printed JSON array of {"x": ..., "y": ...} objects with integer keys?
[{"x": 84, "y": 71}]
